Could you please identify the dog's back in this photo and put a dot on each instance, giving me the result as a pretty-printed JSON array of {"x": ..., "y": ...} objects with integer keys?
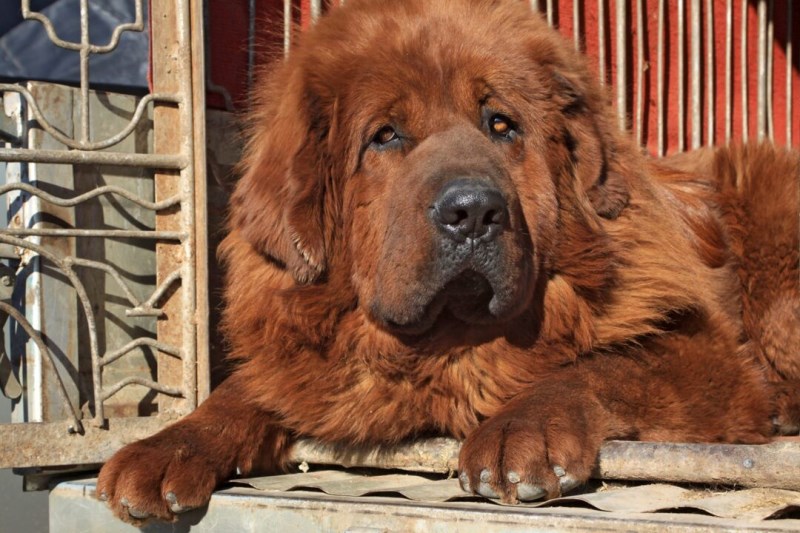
[
  {"x": 757, "y": 189},
  {"x": 764, "y": 185}
]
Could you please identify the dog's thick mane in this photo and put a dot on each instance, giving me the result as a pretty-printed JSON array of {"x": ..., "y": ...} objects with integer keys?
[
  {"x": 440, "y": 230},
  {"x": 639, "y": 250}
]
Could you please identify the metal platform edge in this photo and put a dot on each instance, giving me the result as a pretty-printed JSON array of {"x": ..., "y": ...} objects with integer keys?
[{"x": 73, "y": 509}]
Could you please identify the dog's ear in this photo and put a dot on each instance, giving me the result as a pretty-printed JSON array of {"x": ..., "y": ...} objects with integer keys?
[
  {"x": 589, "y": 136},
  {"x": 609, "y": 195},
  {"x": 277, "y": 203}
]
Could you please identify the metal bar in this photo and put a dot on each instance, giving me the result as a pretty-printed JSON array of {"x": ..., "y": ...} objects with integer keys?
[
  {"x": 728, "y": 70},
  {"x": 426, "y": 455},
  {"x": 73, "y": 507},
  {"x": 774, "y": 465},
  {"x": 550, "y": 12},
  {"x": 32, "y": 445},
  {"x": 287, "y": 26},
  {"x": 316, "y": 10},
  {"x": 188, "y": 213},
  {"x": 76, "y": 425},
  {"x": 769, "y": 82},
  {"x": 84, "y": 66},
  {"x": 681, "y": 75},
  {"x": 601, "y": 40},
  {"x": 85, "y": 144},
  {"x": 110, "y": 357},
  {"x": 130, "y": 234},
  {"x": 173, "y": 131},
  {"x": 761, "y": 87},
  {"x": 160, "y": 291},
  {"x": 202, "y": 307},
  {"x": 94, "y": 193},
  {"x": 660, "y": 82},
  {"x": 81, "y": 157},
  {"x": 136, "y": 25},
  {"x": 639, "y": 71},
  {"x": 144, "y": 382},
  {"x": 789, "y": 73},
  {"x": 745, "y": 75},
  {"x": 622, "y": 80},
  {"x": 88, "y": 312},
  {"x": 576, "y": 23},
  {"x": 114, "y": 273},
  {"x": 710, "y": 89},
  {"x": 696, "y": 110}
]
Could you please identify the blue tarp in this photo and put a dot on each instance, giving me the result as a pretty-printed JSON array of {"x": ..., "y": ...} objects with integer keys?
[{"x": 26, "y": 52}]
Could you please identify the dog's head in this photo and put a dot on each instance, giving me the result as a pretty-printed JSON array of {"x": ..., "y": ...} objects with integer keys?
[{"x": 435, "y": 151}]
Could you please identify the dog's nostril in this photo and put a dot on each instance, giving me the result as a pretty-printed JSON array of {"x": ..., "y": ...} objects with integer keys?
[
  {"x": 470, "y": 208},
  {"x": 451, "y": 217}
]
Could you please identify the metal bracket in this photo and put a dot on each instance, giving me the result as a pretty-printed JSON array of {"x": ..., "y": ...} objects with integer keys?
[{"x": 9, "y": 384}]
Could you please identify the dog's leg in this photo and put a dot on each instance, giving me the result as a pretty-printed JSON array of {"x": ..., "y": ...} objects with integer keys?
[
  {"x": 178, "y": 468},
  {"x": 545, "y": 441}
]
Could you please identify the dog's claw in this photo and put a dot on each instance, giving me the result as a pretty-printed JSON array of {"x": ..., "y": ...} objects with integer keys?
[
  {"x": 139, "y": 515},
  {"x": 568, "y": 483},
  {"x": 485, "y": 490},
  {"x": 133, "y": 512},
  {"x": 463, "y": 480},
  {"x": 527, "y": 492},
  {"x": 174, "y": 506}
]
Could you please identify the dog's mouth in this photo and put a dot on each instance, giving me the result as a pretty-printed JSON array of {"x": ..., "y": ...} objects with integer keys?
[{"x": 469, "y": 297}]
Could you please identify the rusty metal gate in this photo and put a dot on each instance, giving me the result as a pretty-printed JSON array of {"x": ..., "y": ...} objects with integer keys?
[
  {"x": 105, "y": 252},
  {"x": 104, "y": 276}
]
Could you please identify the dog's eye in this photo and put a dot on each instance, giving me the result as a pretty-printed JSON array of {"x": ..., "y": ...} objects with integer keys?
[
  {"x": 384, "y": 136},
  {"x": 501, "y": 126}
]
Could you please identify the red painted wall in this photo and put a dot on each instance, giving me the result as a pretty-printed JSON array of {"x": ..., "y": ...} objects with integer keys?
[{"x": 228, "y": 58}]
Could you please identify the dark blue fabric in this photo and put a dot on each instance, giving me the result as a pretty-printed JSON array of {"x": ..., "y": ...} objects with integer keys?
[{"x": 26, "y": 52}]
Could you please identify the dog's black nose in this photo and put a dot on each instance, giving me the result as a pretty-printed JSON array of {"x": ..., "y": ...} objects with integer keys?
[{"x": 468, "y": 208}]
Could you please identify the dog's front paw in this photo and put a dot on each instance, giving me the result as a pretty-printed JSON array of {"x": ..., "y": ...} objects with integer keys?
[
  {"x": 525, "y": 453},
  {"x": 162, "y": 476}
]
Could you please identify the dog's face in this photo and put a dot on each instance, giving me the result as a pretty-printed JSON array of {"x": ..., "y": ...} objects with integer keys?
[
  {"x": 431, "y": 169},
  {"x": 433, "y": 207}
]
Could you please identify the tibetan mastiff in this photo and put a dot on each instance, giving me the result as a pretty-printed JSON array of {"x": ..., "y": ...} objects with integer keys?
[{"x": 440, "y": 230}]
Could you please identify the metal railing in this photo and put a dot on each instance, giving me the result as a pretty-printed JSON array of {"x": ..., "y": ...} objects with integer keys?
[
  {"x": 703, "y": 59},
  {"x": 175, "y": 167}
]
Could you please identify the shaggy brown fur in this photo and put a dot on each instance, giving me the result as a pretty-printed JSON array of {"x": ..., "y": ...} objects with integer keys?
[{"x": 611, "y": 295}]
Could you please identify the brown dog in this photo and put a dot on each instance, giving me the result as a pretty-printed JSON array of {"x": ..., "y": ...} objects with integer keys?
[{"x": 439, "y": 230}]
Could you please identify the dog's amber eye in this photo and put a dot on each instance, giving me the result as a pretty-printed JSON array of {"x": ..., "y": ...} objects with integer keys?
[
  {"x": 385, "y": 135},
  {"x": 500, "y": 125}
]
